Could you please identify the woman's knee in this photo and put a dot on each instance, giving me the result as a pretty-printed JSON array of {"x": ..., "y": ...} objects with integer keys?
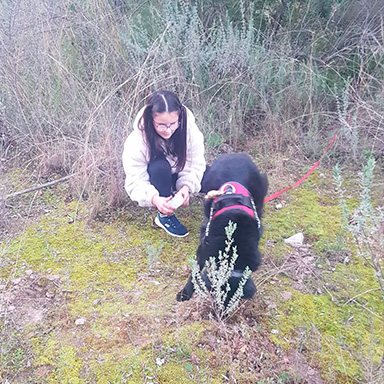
[
  {"x": 160, "y": 176},
  {"x": 159, "y": 166}
]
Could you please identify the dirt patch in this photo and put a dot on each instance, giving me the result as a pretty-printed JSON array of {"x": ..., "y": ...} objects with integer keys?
[
  {"x": 301, "y": 265},
  {"x": 30, "y": 307},
  {"x": 30, "y": 300},
  {"x": 298, "y": 364},
  {"x": 244, "y": 340}
]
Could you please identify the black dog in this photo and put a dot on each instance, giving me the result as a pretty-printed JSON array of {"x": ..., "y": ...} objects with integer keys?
[{"x": 240, "y": 200}]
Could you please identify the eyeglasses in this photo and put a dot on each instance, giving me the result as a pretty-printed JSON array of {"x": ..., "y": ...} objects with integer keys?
[{"x": 163, "y": 127}]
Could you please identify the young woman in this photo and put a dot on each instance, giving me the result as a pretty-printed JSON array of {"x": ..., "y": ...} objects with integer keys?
[{"x": 163, "y": 159}]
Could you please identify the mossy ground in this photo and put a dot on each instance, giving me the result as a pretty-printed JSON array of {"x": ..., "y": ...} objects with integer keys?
[{"x": 120, "y": 276}]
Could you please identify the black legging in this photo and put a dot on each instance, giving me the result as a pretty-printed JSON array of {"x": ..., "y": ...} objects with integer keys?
[{"x": 161, "y": 177}]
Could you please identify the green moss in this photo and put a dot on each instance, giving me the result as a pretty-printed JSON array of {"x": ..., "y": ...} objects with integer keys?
[
  {"x": 69, "y": 367},
  {"x": 121, "y": 367},
  {"x": 337, "y": 335},
  {"x": 178, "y": 346},
  {"x": 336, "y": 331},
  {"x": 64, "y": 361},
  {"x": 186, "y": 337},
  {"x": 45, "y": 352},
  {"x": 355, "y": 278},
  {"x": 307, "y": 211},
  {"x": 174, "y": 373},
  {"x": 130, "y": 304},
  {"x": 74, "y": 251},
  {"x": 277, "y": 249},
  {"x": 50, "y": 196},
  {"x": 97, "y": 361}
]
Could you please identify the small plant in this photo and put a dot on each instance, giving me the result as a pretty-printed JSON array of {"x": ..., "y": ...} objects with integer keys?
[
  {"x": 344, "y": 230},
  {"x": 347, "y": 115},
  {"x": 365, "y": 223},
  {"x": 153, "y": 253},
  {"x": 218, "y": 271}
]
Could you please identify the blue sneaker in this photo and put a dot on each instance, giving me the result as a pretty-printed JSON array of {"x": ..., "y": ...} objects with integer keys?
[{"x": 171, "y": 225}]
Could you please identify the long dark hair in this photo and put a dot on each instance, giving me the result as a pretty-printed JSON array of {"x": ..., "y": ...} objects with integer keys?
[{"x": 176, "y": 145}]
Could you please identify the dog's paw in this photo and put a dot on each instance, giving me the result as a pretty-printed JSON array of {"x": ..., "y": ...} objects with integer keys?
[{"x": 182, "y": 296}]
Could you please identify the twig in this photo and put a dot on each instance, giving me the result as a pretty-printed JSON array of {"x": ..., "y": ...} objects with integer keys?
[
  {"x": 360, "y": 294},
  {"x": 367, "y": 309},
  {"x": 37, "y": 187}
]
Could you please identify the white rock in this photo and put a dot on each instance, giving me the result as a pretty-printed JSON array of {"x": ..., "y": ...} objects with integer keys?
[
  {"x": 296, "y": 240},
  {"x": 53, "y": 277},
  {"x": 80, "y": 321},
  {"x": 275, "y": 331},
  {"x": 159, "y": 361},
  {"x": 279, "y": 206}
]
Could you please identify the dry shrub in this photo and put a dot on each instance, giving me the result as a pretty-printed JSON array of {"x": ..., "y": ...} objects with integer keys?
[{"x": 75, "y": 73}]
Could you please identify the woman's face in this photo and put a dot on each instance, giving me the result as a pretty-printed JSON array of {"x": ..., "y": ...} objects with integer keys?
[{"x": 166, "y": 123}]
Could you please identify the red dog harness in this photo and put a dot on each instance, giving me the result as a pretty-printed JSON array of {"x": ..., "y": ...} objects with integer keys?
[{"x": 232, "y": 195}]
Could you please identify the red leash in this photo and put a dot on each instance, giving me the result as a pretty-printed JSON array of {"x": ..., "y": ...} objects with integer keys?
[{"x": 277, "y": 194}]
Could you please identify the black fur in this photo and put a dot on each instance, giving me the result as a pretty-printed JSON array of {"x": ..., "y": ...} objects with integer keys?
[{"x": 240, "y": 168}]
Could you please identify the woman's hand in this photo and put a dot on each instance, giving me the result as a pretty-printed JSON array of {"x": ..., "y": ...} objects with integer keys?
[
  {"x": 184, "y": 192},
  {"x": 162, "y": 205}
]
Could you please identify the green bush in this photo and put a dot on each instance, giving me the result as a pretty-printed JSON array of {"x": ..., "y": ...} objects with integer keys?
[{"x": 219, "y": 272}]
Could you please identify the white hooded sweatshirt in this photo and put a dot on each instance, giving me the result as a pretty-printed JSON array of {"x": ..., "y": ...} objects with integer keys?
[{"x": 136, "y": 159}]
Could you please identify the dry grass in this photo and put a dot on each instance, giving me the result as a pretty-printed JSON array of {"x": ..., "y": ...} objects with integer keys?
[{"x": 75, "y": 73}]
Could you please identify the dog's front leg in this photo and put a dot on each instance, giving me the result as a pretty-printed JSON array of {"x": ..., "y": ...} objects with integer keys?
[{"x": 187, "y": 292}]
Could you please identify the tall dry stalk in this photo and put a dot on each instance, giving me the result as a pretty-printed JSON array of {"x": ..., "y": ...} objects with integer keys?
[{"x": 75, "y": 73}]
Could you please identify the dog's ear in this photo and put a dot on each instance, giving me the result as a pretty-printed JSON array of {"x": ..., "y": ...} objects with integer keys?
[{"x": 205, "y": 181}]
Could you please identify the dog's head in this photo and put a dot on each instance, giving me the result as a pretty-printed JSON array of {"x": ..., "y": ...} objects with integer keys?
[
  {"x": 230, "y": 197},
  {"x": 232, "y": 203}
]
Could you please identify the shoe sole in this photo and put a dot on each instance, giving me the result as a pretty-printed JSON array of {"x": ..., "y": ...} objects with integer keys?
[{"x": 157, "y": 222}]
